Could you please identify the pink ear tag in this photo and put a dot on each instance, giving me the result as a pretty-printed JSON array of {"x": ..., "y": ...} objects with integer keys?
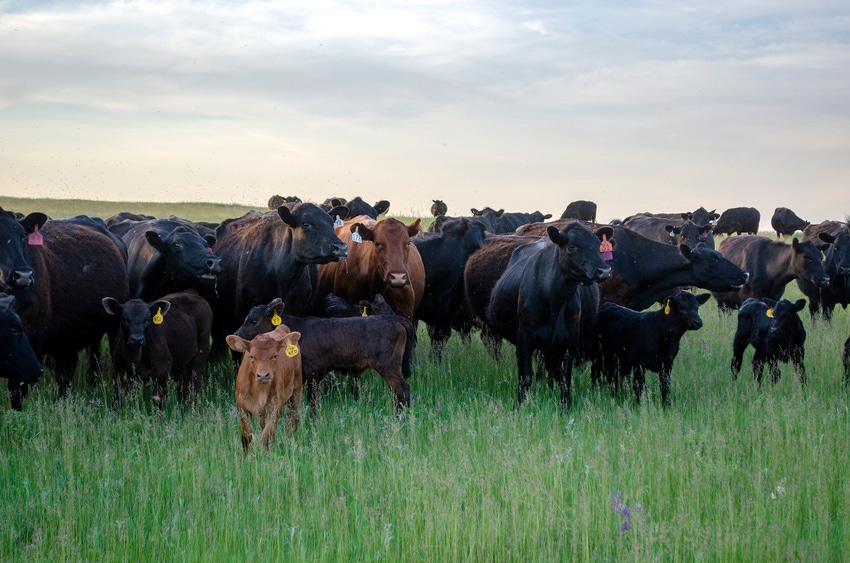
[
  {"x": 210, "y": 250},
  {"x": 35, "y": 238},
  {"x": 606, "y": 248},
  {"x": 703, "y": 235}
]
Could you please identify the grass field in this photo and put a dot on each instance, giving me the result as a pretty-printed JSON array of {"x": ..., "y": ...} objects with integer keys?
[{"x": 729, "y": 472}]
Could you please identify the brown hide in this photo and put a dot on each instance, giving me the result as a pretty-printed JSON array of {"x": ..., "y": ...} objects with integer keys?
[
  {"x": 384, "y": 263},
  {"x": 269, "y": 377}
]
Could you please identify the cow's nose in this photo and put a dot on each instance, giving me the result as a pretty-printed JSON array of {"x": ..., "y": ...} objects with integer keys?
[
  {"x": 398, "y": 279},
  {"x": 22, "y": 278},
  {"x": 136, "y": 340},
  {"x": 844, "y": 271},
  {"x": 603, "y": 273},
  {"x": 746, "y": 277},
  {"x": 213, "y": 265},
  {"x": 824, "y": 281},
  {"x": 340, "y": 250}
]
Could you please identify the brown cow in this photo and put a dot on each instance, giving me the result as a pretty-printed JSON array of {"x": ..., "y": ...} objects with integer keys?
[
  {"x": 385, "y": 262},
  {"x": 269, "y": 377}
]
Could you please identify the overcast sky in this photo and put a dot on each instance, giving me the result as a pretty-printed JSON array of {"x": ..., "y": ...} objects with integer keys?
[{"x": 659, "y": 106}]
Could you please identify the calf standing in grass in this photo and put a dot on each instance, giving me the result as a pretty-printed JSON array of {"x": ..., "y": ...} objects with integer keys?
[
  {"x": 169, "y": 335},
  {"x": 776, "y": 332},
  {"x": 628, "y": 340},
  {"x": 269, "y": 377}
]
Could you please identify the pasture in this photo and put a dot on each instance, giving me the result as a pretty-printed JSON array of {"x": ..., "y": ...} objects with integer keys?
[{"x": 729, "y": 471}]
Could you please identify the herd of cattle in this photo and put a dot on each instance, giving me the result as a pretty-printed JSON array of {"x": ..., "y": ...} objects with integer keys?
[{"x": 304, "y": 289}]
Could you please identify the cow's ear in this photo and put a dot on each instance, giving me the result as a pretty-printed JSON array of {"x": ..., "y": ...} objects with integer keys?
[
  {"x": 382, "y": 206},
  {"x": 555, "y": 235},
  {"x": 160, "y": 306},
  {"x": 287, "y": 217},
  {"x": 547, "y": 216},
  {"x": 414, "y": 229},
  {"x": 112, "y": 306},
  {"x": 474, "y": 211},
  {"x": 364, "y": 231},
  {"x": 237, "y": 343},
  {"x": 799, "y": 304},
  {"x": 685, "y": 250},
  {"x": 276, "y": 305},
  {"x": 32, "y": 220},
  {"x": 155, "y": 241},
  {"x": 795, "y": 244},
  {"x": 500, "y": 212},
  {"x": 705, "y": 229},
  {"x": 291, "y": 338},
  {"x": 210, "y": 240},
  {"x": 462, "y": 226},
  {"x": 823, "y": 247},
  {"x": 703, "y": 297},
  {"x": 608, "y": 232},
  {"x": 337, "y": 202},
  {"x": 687, "y": 216},
  {"x": 340, "y": 211},
  {"x": 826, "y": 237},
  {"x": 279, "y": 333},
  {"x": 669, "y": 228}
]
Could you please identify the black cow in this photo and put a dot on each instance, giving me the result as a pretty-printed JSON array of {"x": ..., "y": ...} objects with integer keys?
[
  {"x": 17, "y": 359},
  {"x": 264, "y": 256},
  {"x": 438, "y": 207},
  {"x": 536, "y": 303},
  {"x": 169, "y": 255},
  {"x": 276, "y": 201},
  {"x": 444, "y": 256},
  {"x": 644, "y": 270},
  {"x": 167, "y": 336},
  {"x": 501, "y": 222},
  {"x": 357, "y": 207},
  {"x": 837, "y": 266},
  {"x": 58, "y": 273},
  {"x": 786, "y": 222},
  {"x": 812, "y": 232},
  {"x": 353, "y": 344},
  {"x": 332, "y": 305},
  {"x": 700, "y": 216},
  {"x": 771, "y": 264},
  {"x": 846, "y": 359},
  {"x": 99, "y": 225},
  {"x": 628, "y": 340},
  {"x": 672, "y": 232},
  {"x": 738, "y": 220},
  {"x": 775, "y": 331},
  {"x": 582, "y": 210}
]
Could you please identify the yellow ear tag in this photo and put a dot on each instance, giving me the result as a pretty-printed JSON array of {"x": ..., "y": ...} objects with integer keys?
[
  {"x": 276, "y": 320},
  {"x": 157, "y": 319},
  {"x": 364, "y": 313},
  {"x": 667, "y": 308},
  {"x": 291, "y": 350},
  {"x": 769, "y": 313}
]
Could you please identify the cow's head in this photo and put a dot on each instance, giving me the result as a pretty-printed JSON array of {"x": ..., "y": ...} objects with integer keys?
[
  {"x": 260, "y": 319},
  {"x": 264, "y": 355},
  {"x": 16, "y": 274},
  {"x": 806, "y": 262},
  {"x": 683, "y": 309},
  {"x": 391, "y": 241},
  {"x": 189, "y": 259},
  {"x": 838, "y": 254},
  {"x": 713, "y": 271},
  {"x": 784, "y": 323},
  {"x": 17, "y": 360},
  {"x": 360, "y": 207},
  {"x": 313, "y": 237},
  {"x": 137, "y": 318},
  {"x": 578, "y": 252}
]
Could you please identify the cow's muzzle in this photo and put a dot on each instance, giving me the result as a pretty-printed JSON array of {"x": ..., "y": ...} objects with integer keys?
[{"x": 398, "y": 279}]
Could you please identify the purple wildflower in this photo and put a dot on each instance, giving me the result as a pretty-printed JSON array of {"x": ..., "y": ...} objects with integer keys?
[
  {"x": 704, "y": 346},
  {"x": 623, "y": 511},
  {"x": 439, "y": 406}
]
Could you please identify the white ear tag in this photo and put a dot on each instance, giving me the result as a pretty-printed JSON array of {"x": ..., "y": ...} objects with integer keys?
[
  {"x": 355, "y": 236},
  {"x": 338, "y": 222}
]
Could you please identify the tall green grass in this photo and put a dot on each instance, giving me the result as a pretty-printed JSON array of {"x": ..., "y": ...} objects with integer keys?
[{"x": 729, "y": 472}]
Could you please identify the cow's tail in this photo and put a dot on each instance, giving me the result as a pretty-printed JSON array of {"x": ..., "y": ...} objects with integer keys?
[{"x": 409, "y": 346}]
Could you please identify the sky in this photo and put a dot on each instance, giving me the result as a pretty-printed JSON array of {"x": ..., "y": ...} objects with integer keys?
[{"x": 638, "y": 106}]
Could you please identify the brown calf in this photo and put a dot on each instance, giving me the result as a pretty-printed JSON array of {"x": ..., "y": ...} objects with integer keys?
[{"x": 269, "y": 377}]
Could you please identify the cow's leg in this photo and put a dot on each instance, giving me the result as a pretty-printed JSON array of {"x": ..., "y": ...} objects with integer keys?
[
  {"x": 293, "y": 407},
  {"x": 846, "y": 359},
  {"x": 314, "y": 394},
  {"x": 739, "y": 344},
  {"x": 268, "y": 422},
  {"x": 638, "y": 381},
  {"x": 17, "y": 392},
  {"x": 247, "y": 428},
  {"x": 596, "y": 371},
  {"x": 492, "y": 342},
  {"x": 160, "y": 384},
  {"x": 664, "y": 379},
  {"x": 799, "y": 366},
  {"x": 524, "y": 368},
  {"x": 758, "y": 365},
  {"x": 773, "y": 368},
  {"x": 564, "y": 365},
  {"x": 439, "y": 336},
  {"x": 119, "y": 388},
  {"x": 391, "y": 372},
  {"x": 65, "y": 364}
]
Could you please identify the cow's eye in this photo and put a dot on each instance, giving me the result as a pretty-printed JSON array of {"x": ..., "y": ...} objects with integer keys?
[
  {"x": 177, "y": 245},
  {"x": 378, "y": 245},
  {"x": 305, "y": 225},
  {"x": 571, "y": 247},
  {"x": 15, "y": 331}
]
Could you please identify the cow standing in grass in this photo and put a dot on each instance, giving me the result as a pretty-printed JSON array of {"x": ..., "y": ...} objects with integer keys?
[
  {"x": 536, "y": 304},
  {"x": 629, "y": 341},
  {"x": 269, "y": 378},
  {"x": 776, "y": 332}
]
